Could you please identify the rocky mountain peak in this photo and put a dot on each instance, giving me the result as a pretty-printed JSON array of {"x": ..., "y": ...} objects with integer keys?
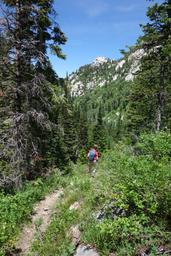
[
  {"x": 99, "y": 60},
  {"x": 104, "y": 71}
]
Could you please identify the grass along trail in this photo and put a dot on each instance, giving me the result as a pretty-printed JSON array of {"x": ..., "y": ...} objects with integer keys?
[
  {"x": 43, "y": 211},
  {"x": 45, "y": 214},
  {"x": 120, "y": 210}
]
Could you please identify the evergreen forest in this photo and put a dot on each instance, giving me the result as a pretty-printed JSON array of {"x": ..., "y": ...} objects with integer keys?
[{"x": 122, "y": 207}]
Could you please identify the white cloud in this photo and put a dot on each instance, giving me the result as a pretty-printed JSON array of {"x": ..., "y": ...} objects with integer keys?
[
  {"x": 125, "y": 8},
  {"x": 94, "y": 8}
]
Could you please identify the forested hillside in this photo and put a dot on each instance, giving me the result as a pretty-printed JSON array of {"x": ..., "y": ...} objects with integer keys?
[
  {"x": 131, "y": 95},
  {"x": 123, "y": 205},
  {"x": 103, "y": 71}
]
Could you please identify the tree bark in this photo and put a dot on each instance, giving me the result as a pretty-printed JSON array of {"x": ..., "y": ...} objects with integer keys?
[
  {"x": 159, "y": 110},
  {"x": 160, "y": 96},
  {"x": 18, "y": 56}
]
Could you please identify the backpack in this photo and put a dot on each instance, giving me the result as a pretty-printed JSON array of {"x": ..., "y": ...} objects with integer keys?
[{"x": 92, "y": 154}]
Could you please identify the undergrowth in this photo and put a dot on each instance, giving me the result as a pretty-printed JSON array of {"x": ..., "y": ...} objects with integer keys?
[
  {"x": 15, "y": 209},
  {"x": 135, "y": 181},
  {"x": 124, "y": 207}
]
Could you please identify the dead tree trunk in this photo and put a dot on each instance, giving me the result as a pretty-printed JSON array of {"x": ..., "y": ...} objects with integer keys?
[
  {"x": 18, "y": 56},
  {"x": 17, "y": 103}
]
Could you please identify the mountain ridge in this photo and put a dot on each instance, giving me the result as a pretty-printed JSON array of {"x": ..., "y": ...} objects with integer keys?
[{"x": 103, "y": 71}]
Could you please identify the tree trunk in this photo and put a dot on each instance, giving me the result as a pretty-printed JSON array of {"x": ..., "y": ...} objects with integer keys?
[
  {"x": 18, "y": 57},
  {"x": 17, "y": 101},
  {"x": 160, "y": 96},
  {"x": 159, "y": 110}
]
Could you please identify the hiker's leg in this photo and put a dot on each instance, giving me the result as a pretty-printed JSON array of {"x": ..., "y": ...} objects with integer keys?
[
  {"x": 87, "y": 168},
  {"x": 90, "y": 165}
]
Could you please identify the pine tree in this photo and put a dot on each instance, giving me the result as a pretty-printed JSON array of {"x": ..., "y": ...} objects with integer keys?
[
  {"x": 82, "y": 130},
  {"x": 29, "y": 32},
  {"x": 69, "y": 126},
  {"x": 150, "y": 98},
  {"x": 99, "y": 133}
]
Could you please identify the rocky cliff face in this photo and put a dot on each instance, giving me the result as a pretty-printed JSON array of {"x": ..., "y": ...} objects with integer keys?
[{"x": 103, "y": 71}]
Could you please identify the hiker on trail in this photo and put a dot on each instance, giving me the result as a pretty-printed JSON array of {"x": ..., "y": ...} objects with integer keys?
[{"x": 92, "y": 156}]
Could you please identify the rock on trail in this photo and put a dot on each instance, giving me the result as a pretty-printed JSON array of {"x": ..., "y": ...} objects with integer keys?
[{"x": 85, "y": 250}]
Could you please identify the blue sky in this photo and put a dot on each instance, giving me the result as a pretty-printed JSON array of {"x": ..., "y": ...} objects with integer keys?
[{"x": 97, "y": 28}]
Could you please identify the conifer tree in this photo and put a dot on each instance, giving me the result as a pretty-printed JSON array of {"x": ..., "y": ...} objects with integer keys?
[
  {"x": 82, "y": 130},
  {"x": 99, "y": 132},
  {"x": 150, "y": 98},
  {"x": 69, "y": 126},
  {"x": 29, "y": 32}
]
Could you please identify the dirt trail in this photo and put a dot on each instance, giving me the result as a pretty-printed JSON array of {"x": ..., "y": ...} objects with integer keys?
[{"x": 43, "y": 211}]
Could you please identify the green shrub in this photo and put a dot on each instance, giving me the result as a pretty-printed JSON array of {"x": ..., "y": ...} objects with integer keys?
[
  {"x": 82, "y": 156},
  {"x": 140, "y": 185},
  {"x": 124, "y": 235},
  {"x": 16, "y": 209},
  {"x": 158, "y": 145}
]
